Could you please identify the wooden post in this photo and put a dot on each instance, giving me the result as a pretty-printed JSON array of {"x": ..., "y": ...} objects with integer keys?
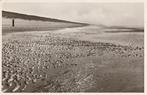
[{"x": 13, "y": 23}]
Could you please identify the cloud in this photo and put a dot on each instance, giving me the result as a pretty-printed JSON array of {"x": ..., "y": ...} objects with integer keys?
[{"x": 124, "y": 14}]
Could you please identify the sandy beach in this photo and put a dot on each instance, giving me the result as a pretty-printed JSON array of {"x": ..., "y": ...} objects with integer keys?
[{"x": 83, "y": 59}]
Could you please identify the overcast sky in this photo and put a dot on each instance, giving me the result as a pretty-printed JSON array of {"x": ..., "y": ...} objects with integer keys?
[{"x": 120, "y": 14}]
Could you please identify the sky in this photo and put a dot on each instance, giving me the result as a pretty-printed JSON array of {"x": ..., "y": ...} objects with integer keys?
[{"x": 110, "y": 14}]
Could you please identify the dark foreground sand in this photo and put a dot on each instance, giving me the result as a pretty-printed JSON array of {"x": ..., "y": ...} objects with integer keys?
[{"x": 56, "y": 62}]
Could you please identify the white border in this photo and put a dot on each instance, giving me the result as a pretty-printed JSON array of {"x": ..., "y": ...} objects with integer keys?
[
  {"x": 73, "y": 1},
  {"x": 103, "y": 1}
]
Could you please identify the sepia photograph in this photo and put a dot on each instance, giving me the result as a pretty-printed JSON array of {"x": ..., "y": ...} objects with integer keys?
[{"x": 54, "y": 47}]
